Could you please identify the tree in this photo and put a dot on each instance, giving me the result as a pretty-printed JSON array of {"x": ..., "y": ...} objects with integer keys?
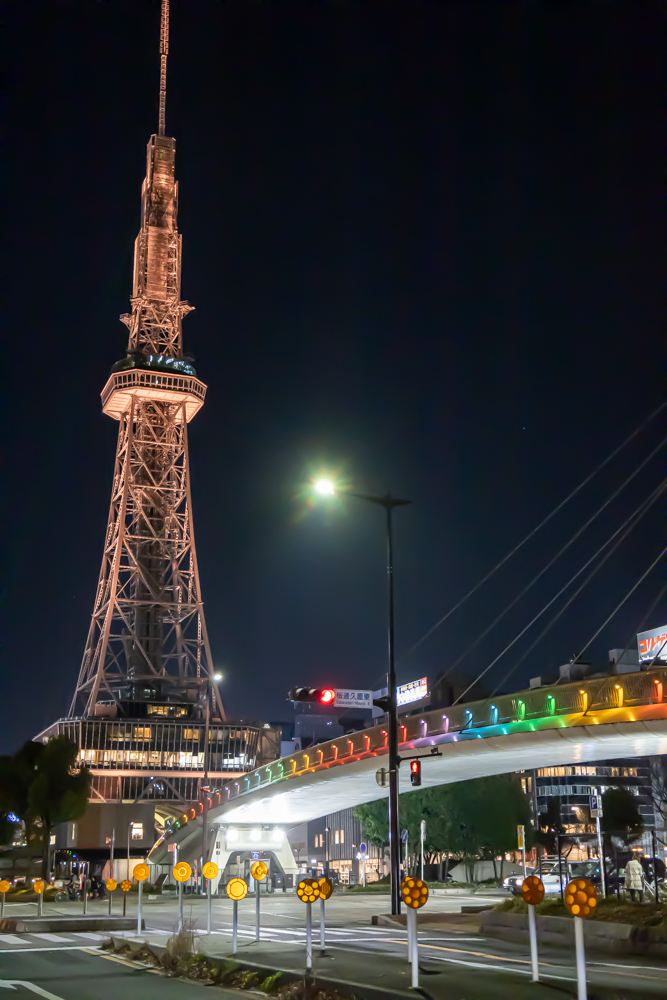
[
  {"x": 40, "y": 783},
  {"x": 474, "y": 819},
  {"x": 620, "y": 815},
  {"x": 658, "y": 766}
]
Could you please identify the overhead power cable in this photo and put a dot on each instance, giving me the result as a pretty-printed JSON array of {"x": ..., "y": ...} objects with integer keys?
[
  {"x": 534, "y": 531},
  {"x": 628, "y": 525},
  {"x": 621, "y": 603},
  {"x": 639, "y": 628},
  {"x": 551, "y": 562}
]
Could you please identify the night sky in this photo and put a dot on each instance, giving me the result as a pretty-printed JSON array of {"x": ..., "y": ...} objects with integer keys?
[{"x": 422, "y": 239}]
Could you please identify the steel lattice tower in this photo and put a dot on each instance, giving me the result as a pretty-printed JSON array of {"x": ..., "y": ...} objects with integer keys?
[
  {"x": 148, "y": 636},
  {"x": 146, "y": 714}
]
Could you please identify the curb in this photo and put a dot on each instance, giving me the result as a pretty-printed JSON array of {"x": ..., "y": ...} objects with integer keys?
[
  {"x": 600, "y": 936},
  {"x": 27, "y": 925}
]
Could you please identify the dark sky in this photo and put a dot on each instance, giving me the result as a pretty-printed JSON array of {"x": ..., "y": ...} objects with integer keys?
[{"x": 422, "y": 239}]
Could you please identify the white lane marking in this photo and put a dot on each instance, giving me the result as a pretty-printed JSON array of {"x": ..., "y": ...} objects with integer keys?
[
  {"x": 89, "y": 935},
  {"x": 11, "y": 984},
  {"x": 449, "y": 940},
  {"x": 55, "y": 947},
  {"x": 51, "y": 937},
  {"x": 12, "y": 939},
  {"x": 639, "y": 968}
]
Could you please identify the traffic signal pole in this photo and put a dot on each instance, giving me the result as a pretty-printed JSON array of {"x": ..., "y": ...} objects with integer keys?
[
  {"x": 394, "y": 835},
  {"x": 389, "y": 502}
]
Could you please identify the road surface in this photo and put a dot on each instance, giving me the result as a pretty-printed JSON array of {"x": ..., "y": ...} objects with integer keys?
[{"x": 356, "y": 952}]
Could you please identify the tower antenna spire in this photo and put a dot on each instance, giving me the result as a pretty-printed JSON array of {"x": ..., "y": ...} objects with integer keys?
[{"x": 164, "y": 52}]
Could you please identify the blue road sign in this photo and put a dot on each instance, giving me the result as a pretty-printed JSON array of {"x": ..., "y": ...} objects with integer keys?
[
  {"x": 255, "y": 855},
  {"x": 404, "y": 836},
  {"x": 362, "y": 848}
]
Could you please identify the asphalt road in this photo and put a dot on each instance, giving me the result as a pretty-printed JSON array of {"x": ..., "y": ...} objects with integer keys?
[
  {"x": 356, "y": 951},
  {"x": 58, "y": 974}
]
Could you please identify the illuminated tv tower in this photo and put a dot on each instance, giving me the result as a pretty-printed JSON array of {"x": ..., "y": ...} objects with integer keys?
[
  {"x": 148, "y": 635},
  {"x": 146, "y": 713}
]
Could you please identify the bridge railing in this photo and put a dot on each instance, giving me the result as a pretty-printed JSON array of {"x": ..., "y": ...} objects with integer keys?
[{"x": 521, "y": 711}]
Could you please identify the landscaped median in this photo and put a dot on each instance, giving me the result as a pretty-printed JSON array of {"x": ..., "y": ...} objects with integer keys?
[
  {"x": 614, "y": 928},
  {"x": 179, "y": 958}
]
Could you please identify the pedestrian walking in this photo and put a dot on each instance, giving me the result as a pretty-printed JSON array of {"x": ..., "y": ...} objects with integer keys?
[{"x": 634, "y": 879}]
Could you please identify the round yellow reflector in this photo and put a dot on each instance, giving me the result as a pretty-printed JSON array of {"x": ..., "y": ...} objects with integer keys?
[
  {"x": 532, "y": 890},
  {"x": 210, "y": 870},
  {"x": 141, "y": 872},
  {"x": 308, "y": 890},
  {"x": 4, "y": 885},
  {"x": 182, "y": 871},
  {"x": 111, "y": 884},
  {"x": 259, "y": 871},
  {"x": 580, "y": 897},
  {"x": 414, "y": 892},
  {"x": 38, "y": 886},
  {"x": 126, "y": 885},
  {"x": 326, "y": 887},
  {"x": 237, "y": 888}
]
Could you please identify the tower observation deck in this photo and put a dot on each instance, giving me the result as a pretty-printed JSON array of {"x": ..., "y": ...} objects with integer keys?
[{"x": 146, "y": 713}]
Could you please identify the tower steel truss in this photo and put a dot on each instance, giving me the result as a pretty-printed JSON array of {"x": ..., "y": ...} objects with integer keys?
[{"x": 147, "y": 639}]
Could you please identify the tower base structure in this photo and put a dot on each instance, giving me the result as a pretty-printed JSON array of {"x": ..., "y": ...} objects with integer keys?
[{"x": 148, "y": 774}]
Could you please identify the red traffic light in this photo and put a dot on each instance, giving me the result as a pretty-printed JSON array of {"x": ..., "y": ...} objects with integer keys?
[
  {"x": 323, "y": 696},
  {"x": 415, "y": 772}
]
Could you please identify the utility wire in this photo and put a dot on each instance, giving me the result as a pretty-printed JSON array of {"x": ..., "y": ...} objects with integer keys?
[
  {"x": 534, "y": 531},
  {"x": 639, "y": 627},
  {"x": 642, "y": 623},
  {"x": 620, "y": 605},
  {"x": 551, "y": 562},
  {"x": 628, "y": 525}
]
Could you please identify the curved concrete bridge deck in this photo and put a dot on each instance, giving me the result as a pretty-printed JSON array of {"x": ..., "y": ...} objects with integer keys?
[{"x": 618, "y": 716}]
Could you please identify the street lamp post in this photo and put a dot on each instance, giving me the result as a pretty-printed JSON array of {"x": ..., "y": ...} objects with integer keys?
[
  {"x": 204, "y": 785},
  {"x": 388, "y": 502}
]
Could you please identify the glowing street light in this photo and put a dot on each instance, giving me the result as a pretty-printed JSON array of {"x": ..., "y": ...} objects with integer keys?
[
  {"x": 325, "y": 487},
  {"x": 217, "y": 678}
]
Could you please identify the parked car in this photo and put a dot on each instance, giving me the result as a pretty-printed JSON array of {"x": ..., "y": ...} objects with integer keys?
[{"x": 513, "y": 882}]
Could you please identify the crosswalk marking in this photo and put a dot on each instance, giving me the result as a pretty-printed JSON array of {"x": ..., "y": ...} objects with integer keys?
[
  {"x": 51, "y": 937},
  {"x": 11, "y": 939},
  {"x": 90, "y": 935}
]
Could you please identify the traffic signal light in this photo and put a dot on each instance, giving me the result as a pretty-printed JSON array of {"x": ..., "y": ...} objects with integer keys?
[
  {"x": 415, "y": 772},
  {"x": 318, "y": 696}
]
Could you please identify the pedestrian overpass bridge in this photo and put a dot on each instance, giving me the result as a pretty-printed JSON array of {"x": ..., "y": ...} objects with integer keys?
[{"x": 577, "y": 723}]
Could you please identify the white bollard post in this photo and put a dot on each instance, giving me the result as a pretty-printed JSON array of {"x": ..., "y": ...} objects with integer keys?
[
  {"x": 180, "y": 907},
  {"x": 141, "y": 889},
  {"x": 581, "y": 958},
  {"x": 208, "y": 903},
  {"x": 322, "y": 944},
  {"x": 422, "y": 838},
  {"x": 2, "y": 904},
  {"x": 85, "y": 896},
  {"x": 235, "y": 926},
  {"x": 39, "y": 904},
  {"x": 309, "y": 937},
  {"x": 413, "y": 946},
  {"x": 257, "y": 885},
  {"x": 532, "y": 929}
]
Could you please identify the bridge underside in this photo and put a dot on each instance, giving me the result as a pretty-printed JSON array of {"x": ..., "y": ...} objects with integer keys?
[{"x": 309, "y": 795}]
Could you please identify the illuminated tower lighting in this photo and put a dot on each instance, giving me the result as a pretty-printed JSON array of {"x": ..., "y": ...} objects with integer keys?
[{"x": 147, "y": 690}]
